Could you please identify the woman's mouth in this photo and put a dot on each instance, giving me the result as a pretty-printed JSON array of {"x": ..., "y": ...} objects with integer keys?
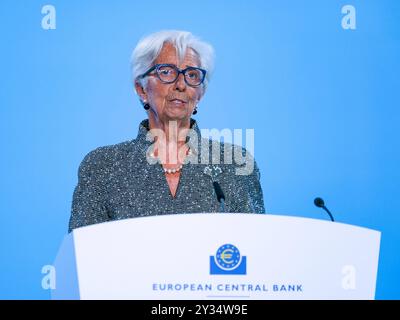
[{"x": 178, "y": 102}]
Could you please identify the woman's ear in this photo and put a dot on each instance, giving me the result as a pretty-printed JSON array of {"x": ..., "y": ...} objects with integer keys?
[{"x": 140, "y": 91}]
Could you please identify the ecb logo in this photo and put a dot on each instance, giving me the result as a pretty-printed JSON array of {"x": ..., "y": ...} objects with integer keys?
[{"x": 228, "y": 261}]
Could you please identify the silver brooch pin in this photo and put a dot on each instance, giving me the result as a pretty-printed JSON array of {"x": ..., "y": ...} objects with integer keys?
[{"x": 213, "y": 171}]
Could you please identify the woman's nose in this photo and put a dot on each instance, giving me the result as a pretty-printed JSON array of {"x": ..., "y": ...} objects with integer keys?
[{"x": 180, "y": 83}]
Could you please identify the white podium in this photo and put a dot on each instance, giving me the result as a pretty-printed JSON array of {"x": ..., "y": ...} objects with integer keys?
[{"x": 218, "y": 256}]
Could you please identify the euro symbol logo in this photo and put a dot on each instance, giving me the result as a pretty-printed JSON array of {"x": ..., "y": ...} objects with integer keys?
[
  {"x": 226, "y": 256},
  {"x": 228, "y": 260}
]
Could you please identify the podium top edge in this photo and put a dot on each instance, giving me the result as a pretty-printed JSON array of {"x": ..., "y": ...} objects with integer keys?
[{"x": 215, "y": 215}]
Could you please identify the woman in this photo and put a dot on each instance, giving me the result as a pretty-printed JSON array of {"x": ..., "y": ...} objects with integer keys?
[{"x": 166, "y": 169}]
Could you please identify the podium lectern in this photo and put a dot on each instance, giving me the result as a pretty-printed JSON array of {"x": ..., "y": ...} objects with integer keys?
[{"x": 218, "y": 256}]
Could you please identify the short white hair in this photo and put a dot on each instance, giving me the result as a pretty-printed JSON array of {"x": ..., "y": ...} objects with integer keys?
[{"x": 149, "y": 47}]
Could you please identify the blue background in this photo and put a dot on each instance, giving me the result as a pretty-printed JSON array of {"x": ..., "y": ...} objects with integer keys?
[{"x": 324, "y": 103}]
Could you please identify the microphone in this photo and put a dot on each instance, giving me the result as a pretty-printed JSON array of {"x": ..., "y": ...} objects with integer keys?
[
  {"x": 319, "y": 202},
  {"x": 220, "y": 196}
]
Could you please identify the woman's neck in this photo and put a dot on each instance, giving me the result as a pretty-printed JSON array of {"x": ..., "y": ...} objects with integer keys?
[{"x": 170, "y": 139}]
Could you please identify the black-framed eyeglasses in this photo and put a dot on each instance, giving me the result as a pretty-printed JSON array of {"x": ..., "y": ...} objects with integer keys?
[{"x": 168, "y": 73}]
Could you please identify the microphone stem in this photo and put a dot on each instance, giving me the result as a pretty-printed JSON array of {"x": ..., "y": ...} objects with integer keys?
[
  {"x": 222, "y": 205},
  {"x": 330, "y": 214}
]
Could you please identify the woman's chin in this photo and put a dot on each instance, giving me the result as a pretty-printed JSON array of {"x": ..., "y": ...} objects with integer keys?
[{"x": 177, "y": 113}]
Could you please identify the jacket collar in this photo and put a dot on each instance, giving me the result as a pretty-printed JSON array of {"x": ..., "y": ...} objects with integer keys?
[{"x": 144, "y": 136}]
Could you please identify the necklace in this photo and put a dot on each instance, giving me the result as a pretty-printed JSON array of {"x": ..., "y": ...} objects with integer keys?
[{"x": 173, "y": 170}]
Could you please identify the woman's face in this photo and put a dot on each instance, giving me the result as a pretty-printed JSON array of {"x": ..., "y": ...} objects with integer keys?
[{"x": 172, "y": 101}]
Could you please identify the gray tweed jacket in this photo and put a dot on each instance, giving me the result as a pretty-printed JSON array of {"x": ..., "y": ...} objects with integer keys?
[{"x": 117, "y": 182}]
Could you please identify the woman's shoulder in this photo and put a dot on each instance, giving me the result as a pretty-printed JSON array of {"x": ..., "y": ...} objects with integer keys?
[
  {"x": 224, "y": 146},
  {"x": 227, "y": 149},
  {"x": 234, "y": 156},
  {"x": 104, "y": 156}
]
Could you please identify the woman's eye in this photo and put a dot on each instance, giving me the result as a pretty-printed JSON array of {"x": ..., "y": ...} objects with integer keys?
[{"x": 193, "y": 75}]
